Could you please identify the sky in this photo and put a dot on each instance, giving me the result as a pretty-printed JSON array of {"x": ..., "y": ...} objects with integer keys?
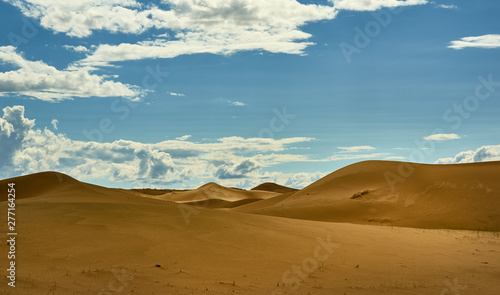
[{"x": 178, "y": 93}]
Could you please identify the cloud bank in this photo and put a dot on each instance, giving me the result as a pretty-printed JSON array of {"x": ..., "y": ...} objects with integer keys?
[
  {"x": 38, "y": 80},
  {"x": 482, "y": 154},
  {"x": 196, "y": 26},
  {"x": 230, "y": 160},
  {"x": 190, "y": 26}
]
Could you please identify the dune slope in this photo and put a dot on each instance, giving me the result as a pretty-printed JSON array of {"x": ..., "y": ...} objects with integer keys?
[
  {"x": 461, "y": 196},
  {"x": 273, "y": 187}
]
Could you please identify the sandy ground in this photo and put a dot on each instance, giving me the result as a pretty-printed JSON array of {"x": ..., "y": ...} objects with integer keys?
[{"x": 76, "y": 238}]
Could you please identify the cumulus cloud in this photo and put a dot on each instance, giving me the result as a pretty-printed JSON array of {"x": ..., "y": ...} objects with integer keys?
[
  {"x": 442, "y": 137},
  {"x": 80, "y": 18},
  {"x": 38, "y": 80},
  {"x": 371, "y": 5},
  {"x": 175, "y": 94},
  {"x": 54, "y": 123},
  {"x": 482, "y": 154},
  {"x": 356, "y": 156},
  {"x": 301, "y": 180},
  {"x": 355, "y": 149},
  {"x": 190, "y": 26},
  {"x": 79, "y": 48},
  {"x": 234, "y": 103},
  {"x": 444, "y": 6},
  {"x": 26, "y": 149},
  {"x": 234, "y": 161},
  {"x": 184, "y": 137},
  {"x": 485, "y": 41},
  {"x": 153, "y": 164},
  {"x": 14, "y": 127},
  {"x": 196, "y": 26},
  {"x": 236, "y": 170}
]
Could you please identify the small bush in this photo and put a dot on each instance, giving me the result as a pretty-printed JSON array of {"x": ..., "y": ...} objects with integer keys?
[{"x": 359, "y": 194}]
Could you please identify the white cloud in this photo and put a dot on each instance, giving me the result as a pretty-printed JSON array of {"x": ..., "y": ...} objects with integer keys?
[
  {"x": 223, "y": 27},
  {"x": 442, "y": 137},
  {"x": 485, "y": 41},
  {"x": 355, "y": 149},
  {"x": 447, "y": 6},
  {"x": 185, "y": 137},
  {"x": 164, "y": 35},
  {"x": 482, "y": 154},
  {"x": 79, "y": 48},
  {"x": 54, "y": 123},
  {"x": 80, "y": 18},
  {"x": 14, "y": 128},
  {"x": 38, "y": 80},
  {"x": 25, "y": 149},
  {"x": 395, "y": 158},
  {"x": 175, "y": 94},
  {"x": 229, "y": 160},
  {"x": 237, "y": 170},
  {"x": 234, "y": 103},
  {"x": 294, "y": 180},
  {"x": 301, "y": 180},
  {"x": 197, "y": 26},
  {"x": 356, "y": 157},
  {"x": 191, "y": 26},
  {"x": 371, "y": 5}
]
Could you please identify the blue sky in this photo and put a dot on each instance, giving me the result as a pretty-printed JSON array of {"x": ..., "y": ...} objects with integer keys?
[{"x": 177, "y": 93}]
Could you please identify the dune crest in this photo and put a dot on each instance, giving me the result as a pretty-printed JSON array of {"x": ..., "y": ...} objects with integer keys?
[{"x": 273, "y": 187}]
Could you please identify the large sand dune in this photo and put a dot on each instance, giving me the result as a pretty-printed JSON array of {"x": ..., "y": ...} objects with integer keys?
[
  {"x": 462, "y": 196},
  {"x": 77, "y": 238}
]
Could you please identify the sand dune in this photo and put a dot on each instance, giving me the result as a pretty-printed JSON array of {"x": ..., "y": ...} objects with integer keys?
[
  {"x": 273, "y": 187},
  {"x": 39, "y": 184},
  {"x": 77, "y": 238},
  {"x": 213, "y": 195},
  {"x": 462, "y": 196}
]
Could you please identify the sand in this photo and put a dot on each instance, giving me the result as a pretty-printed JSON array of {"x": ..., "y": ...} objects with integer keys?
[{"x": 77, "y": 238}]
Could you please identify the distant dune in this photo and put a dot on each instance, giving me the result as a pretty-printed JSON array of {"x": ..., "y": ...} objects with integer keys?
[
  {"x": 78, "y": 238},
  {"x": 212, "y": 195},
  {"x": 273, "y": 187}
]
